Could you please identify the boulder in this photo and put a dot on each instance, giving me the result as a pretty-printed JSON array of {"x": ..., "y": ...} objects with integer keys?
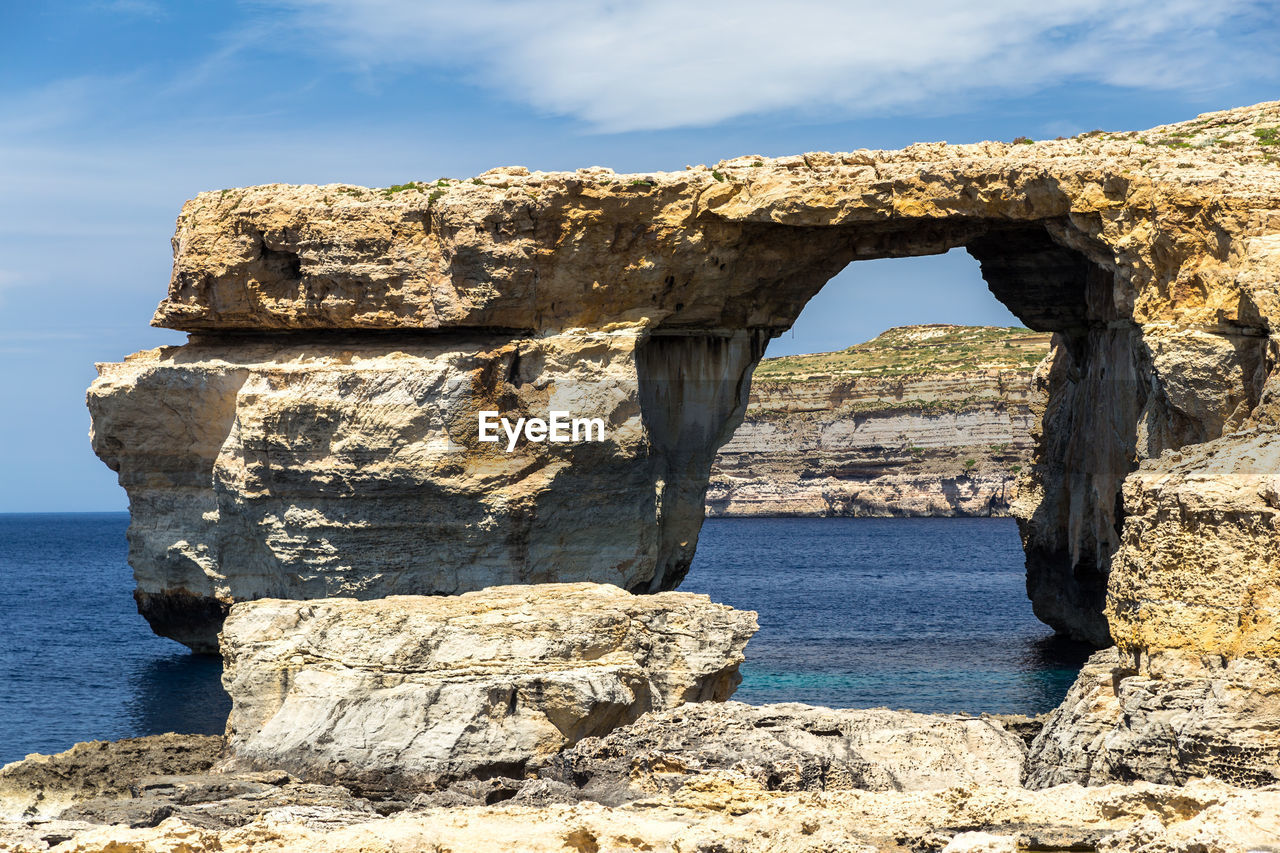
[{"x": 415, "y": 692}]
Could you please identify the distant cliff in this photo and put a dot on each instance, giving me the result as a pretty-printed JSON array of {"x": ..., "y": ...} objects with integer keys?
[{"x": 921, "y": 421}]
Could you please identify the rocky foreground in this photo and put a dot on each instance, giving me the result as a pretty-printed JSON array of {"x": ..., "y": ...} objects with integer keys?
[
  {"x": 723, "y": 810},
  {"x": 929, "y": 420},
  {"x": 580, "y": 717}
]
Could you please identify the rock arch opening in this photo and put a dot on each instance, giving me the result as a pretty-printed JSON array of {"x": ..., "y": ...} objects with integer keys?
[
  {"x": 861, "y": 507},
  {"x": 907, "y": 392},
  {"x": 1052, "y": 277}
]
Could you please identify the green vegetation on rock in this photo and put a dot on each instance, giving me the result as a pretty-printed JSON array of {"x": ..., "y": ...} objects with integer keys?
[{"x": 911, "y": 350}]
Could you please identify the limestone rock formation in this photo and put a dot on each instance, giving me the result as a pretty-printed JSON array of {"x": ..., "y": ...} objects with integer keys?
[
  {"x": 791, "y": 747},
  {"x": 1151, "y": 256},
  {"x": 302, "y": 469},
  {"x": 731, "y": 812},
  {"x": 1193, "y": 688},
  {"x": 222, "y": 801},
  {"x": 413, "y": 692},
  {"x": 45, "y": 785},
  {"x": 1118, "y": 724},
  {"x": 921, "y": 421}
]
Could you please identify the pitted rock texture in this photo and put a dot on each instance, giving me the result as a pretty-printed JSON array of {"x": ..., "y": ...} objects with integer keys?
[
  {"x": 223, "y": 800},
  {"x": 930, "y": 420},
  {"x": 1153, "y": 257},
  {"x": 1198, "y": 574},
  {"x": 44, "y": 785},
  {"x": 730, "y": 812},
  {"x": 1193, "y": 688},
  {"x": 716, "y": 247},
  {"x": 1219, "y": 719},
  {"x": 791, "y": 747},
  {"x": 414, "y": 692}
]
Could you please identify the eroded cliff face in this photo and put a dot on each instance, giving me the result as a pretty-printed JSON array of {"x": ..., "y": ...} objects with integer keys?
[
  {"x": 1152, "y": 258},
  {"x": 315, "y": 467},
  {"x": 928, "y": 420}
]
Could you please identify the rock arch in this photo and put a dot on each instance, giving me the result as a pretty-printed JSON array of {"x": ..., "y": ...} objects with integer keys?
[{"x": 345, "y": 339}]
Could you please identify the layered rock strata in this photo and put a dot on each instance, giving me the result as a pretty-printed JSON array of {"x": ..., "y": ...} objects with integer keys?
[
  {"x": 305, "y": 468},
  {"x": 921, "y": 421},
  {"x": 46, "y": 785},
  {"x": 1152, "y": 257},
  {"x": 413, "y": 692}
]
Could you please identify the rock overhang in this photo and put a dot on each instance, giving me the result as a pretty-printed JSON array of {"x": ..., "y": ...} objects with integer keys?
[{"x": 741, "y": 244}]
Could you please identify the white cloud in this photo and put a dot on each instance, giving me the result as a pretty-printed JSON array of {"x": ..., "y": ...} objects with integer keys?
[{"x": 650, "y": 64}]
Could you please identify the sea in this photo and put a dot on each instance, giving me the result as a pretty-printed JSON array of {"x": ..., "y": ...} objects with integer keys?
[{"x": 922, "y": 614}]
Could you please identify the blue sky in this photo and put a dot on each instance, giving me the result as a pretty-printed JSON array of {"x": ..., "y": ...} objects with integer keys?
[{"x": 113, "y": 113}]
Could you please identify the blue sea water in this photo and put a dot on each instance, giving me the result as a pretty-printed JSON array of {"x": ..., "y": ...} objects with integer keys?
[
  {"x": 927, "y": 614},
  {"x": 77, "y": 662}
]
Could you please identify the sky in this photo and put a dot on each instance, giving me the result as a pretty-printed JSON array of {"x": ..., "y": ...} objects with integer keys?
[{"x": 114, "y": 113}]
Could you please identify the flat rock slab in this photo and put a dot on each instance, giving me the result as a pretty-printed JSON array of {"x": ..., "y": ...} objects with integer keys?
[
  {"x": 43, "y": 785},
  {"x": 733, "y": 814},
  {"x": 414, "y": 692},
  {"x": 792, "y": 747},
  {"x": 221, "y": 801}
]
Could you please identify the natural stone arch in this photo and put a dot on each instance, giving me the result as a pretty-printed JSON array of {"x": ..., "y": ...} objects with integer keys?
[
  {"x": 355, "y": 333},
  {"x": 1051, "y": 286}
]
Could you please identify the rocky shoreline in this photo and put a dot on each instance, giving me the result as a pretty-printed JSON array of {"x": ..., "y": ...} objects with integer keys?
[
  {"x": 711, "y": 810},
  {"x": 579, "y": 716}
]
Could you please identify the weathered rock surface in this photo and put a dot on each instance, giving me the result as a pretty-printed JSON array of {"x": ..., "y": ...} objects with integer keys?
[
  {"x": 302, "y": 469},
  {"x": 921, "y": 421},
  {"x": 219, "y": 801},
  {"x": 1118, "y": 724},
  {"x": 1193, "y": 688},
  {"x": 1153, "y": 258},
  {"x": 724, "y": 799},
  {"x": 205, "y": 801},
  {"x": 45, "y": 785},
  {"x": 791, "y": 747},
  {"x": 412, "y": 693},
  {"x": 729, "y": 812},
  {"x": 1167, "y": 388}
]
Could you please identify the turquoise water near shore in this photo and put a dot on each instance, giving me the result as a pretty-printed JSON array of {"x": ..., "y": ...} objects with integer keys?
[{"x": 927, "y": 614}]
